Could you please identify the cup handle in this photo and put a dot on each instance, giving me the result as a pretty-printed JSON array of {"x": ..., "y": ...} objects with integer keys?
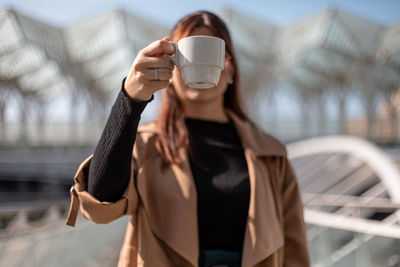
[{"x": 175, "y": 57}]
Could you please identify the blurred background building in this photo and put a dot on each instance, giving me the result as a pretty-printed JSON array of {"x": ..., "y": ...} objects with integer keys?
[{"x": 326, "y": 84}]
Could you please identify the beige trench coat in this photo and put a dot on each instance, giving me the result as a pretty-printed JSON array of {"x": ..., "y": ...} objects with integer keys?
[{"x": 162, "y": 204}]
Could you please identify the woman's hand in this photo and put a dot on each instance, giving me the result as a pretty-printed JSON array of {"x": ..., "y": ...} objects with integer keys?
[{"x": 141, "y": 82}]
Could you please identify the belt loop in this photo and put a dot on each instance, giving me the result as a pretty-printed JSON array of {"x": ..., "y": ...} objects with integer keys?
[{"x": 73, "y": 208}]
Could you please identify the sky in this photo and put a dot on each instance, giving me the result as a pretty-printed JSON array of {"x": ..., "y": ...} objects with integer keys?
[{"x": 63, "y": 13}]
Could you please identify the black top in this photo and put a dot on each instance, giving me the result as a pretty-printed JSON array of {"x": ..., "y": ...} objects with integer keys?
[
  {"x": 223, "y": 190},
  {"x": 218, "y": 166}
]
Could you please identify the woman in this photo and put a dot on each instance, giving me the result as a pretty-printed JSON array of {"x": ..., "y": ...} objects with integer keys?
[{"x": 203, "y": 186}]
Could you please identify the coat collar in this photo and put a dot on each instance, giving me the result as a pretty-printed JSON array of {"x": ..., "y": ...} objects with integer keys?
[{"x": 260, "y": 143}]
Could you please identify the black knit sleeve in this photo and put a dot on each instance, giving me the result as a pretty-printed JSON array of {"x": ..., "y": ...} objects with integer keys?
[{"x": 109, "y": 170}]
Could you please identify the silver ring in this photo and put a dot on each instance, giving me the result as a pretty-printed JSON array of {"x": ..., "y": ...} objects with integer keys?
[{"x": 156, "y": 74}]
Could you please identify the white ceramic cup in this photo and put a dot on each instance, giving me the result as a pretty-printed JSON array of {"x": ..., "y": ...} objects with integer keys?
[{"x": 200, "y": 59}]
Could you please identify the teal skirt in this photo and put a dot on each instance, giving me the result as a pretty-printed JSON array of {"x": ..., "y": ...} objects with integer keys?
[{"x": 220, "y": 258}]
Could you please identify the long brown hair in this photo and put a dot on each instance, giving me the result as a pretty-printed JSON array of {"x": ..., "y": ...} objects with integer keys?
[{"x": 173, "y": 133}]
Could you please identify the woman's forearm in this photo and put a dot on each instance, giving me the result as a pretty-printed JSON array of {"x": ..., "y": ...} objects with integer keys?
[{"x": 109, "y": 170}]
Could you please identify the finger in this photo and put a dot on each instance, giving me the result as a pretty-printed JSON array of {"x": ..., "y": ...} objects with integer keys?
[
  {"x": 158, "y": 47},
  {"x": 159, "y": 84},
  {"x": 155, "y": 62},
  {"x": 167, "y": 39},
  {"x": 164, "y": 39},
  {"x": 163, "y": 74}
]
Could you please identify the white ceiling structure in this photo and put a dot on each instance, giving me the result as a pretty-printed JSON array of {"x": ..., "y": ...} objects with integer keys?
[
  {"x": 330, "y": 54},
  {"x": 95, "y": 54},
  {"x": 320, "y": 47},
  {"x": 92, "y": 57}
]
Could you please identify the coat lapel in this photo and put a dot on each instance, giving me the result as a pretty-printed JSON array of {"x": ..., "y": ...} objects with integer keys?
[
  {"x": 263, "y": 234},
  {"x": 170, "y": 200}
]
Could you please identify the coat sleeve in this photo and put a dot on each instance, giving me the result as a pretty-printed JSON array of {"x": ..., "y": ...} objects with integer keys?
[
  {"x": 295, "y": 250},
  {"x": 95, "y": 210}
]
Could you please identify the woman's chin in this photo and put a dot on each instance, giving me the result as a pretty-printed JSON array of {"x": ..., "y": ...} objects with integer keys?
[{"x": 204, "y": 94}]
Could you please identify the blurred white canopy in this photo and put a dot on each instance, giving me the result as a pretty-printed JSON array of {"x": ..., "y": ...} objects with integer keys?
[{"x": 97, "y": 53}]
